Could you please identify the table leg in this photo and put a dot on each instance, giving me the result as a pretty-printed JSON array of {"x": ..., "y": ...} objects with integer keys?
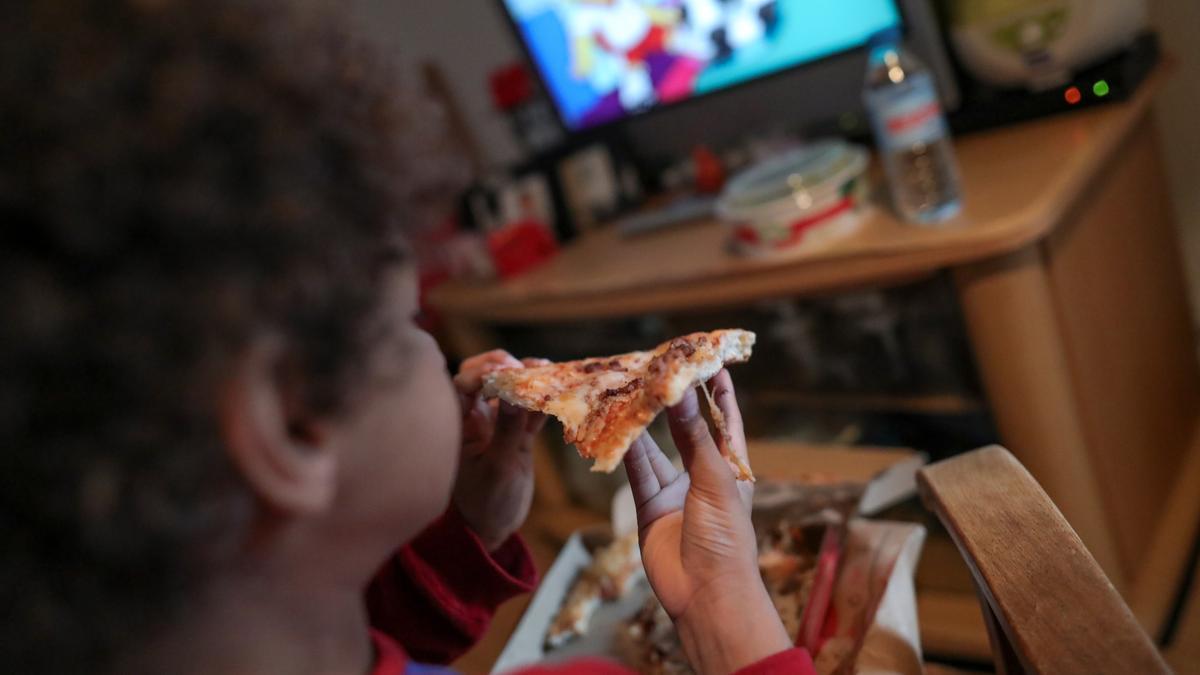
[{"x": 1009, "y": 311}]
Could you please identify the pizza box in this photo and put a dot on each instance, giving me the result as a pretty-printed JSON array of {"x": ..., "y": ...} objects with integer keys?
[
  {"x": 889, "y": 475},
  {"x": 526, "y": 646}
]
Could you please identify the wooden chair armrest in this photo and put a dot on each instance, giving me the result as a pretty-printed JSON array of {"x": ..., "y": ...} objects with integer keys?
[{"x": 1049, "y": 606}]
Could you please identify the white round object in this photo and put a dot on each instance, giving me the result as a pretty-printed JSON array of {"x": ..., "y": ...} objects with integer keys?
[
  {"x": 804, "y": 197},
  {"x": 1040, "y": 43}
]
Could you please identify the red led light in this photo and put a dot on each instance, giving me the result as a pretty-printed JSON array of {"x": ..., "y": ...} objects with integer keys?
[{"x": 1073, "y": 95}]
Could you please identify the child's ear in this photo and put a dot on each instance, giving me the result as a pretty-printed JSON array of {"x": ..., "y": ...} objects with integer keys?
[{"x": 288, "y": 464}]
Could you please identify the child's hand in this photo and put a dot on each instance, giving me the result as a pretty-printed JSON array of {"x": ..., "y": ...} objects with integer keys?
[
  {"x": 698, "y": 545},
  {"x": 495, "y": 476}
]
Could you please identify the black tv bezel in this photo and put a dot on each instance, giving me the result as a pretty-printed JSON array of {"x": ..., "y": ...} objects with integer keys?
[{"x": 609, "y": 126}]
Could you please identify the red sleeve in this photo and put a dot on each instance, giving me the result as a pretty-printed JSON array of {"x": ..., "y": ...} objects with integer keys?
[
  {"x": 437, "y": 595},
  {"x": 790, "y": 662}
]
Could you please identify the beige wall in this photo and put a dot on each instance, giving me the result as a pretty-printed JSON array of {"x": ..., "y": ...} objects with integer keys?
[
  {"x": 1178, "y": 22},
  {"x": 466, "y": 38}
]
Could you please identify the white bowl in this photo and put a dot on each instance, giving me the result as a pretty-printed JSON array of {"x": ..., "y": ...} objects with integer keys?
[{"x": 803, "y": 197}]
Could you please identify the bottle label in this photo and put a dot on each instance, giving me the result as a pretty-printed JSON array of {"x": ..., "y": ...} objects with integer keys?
[{"x": 907, "y": 114}]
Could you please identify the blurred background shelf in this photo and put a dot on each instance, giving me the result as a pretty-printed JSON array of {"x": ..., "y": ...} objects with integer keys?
[{"x": 909, "y": 404}]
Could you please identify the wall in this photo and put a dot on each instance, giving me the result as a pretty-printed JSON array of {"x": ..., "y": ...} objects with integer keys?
[
  {"x": 466, "y": 38},
  {"x": 1178, "y": 112}
]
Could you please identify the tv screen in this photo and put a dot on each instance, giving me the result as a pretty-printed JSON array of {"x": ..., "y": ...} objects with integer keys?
[{"x": 606, "y": 60}]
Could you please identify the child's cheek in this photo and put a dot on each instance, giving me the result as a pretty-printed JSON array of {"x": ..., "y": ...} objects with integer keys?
[{"x": 439, "y": 421}]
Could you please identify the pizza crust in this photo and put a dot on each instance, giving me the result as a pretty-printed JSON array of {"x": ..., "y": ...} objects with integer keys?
[{"x": 604, "y": 404}]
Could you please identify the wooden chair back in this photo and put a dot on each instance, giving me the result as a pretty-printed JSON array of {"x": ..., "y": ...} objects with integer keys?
[{"x": 1048, "y": 606}]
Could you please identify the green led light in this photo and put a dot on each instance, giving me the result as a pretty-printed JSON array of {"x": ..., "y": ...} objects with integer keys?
[{"x": 1101, "y": 88}]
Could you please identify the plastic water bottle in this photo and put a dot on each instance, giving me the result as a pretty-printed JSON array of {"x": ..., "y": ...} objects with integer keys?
[{"x": 911, "y": 132}]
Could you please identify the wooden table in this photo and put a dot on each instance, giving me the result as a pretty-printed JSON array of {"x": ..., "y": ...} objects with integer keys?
[{"x": 1068, "y": 271}]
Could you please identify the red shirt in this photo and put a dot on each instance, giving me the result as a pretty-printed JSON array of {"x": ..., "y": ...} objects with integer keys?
[{"x": 435, "y": 598}]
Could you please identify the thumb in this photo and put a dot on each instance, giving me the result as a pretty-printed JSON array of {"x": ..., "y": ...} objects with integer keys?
[
  {"x": 512, "y": 430},
  {"x": 478, "y": 426},
  {"x": 708, "y": 471}
]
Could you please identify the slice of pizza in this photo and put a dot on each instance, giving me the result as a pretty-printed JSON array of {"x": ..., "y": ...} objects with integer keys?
[
  {"x": 605, "y": 403},
  {"x": 609, "y": 577}
]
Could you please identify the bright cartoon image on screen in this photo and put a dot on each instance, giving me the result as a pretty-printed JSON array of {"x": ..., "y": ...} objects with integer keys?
[{"x": 603, "y": 60}]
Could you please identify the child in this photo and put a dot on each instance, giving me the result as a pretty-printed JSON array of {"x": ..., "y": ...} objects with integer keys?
[{"x": 226, "y": 446}]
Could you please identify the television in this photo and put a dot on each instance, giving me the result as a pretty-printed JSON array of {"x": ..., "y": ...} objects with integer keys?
[{"x": 605, "y": 61}]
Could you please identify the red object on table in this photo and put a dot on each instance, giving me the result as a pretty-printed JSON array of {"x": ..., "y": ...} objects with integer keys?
[
  {"x": 521, "y": 246},
  {"x": 710, "y": 174},
  {"x": 799, "y": 228},
  {"x": 511, "y": 86}
]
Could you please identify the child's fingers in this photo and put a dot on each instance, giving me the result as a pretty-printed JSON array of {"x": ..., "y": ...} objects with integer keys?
[
  {"x": 745, "y": 490},
  {"x": 469, "y": 378},
  {"x": 534, "y": 423},
  {"x": 663, "y": 469},
  {"x": 478, "y": 426},
  {"x": 510, "y": 435},
  {"x": 486, "y": 361},
  {"x": 642, "y": 480},
  {"x": 709, "y": 472},
  {"x": 726, "y": 399}
]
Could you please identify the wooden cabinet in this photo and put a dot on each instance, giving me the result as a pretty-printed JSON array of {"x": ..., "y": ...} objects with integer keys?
[{"x": 1069, "y": 277}]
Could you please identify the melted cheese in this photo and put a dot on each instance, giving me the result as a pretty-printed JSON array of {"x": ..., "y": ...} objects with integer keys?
[{"x": 570, "y": 407}]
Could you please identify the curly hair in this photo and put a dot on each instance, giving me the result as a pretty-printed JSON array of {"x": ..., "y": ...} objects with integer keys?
[{"x": 176, "y": 178}]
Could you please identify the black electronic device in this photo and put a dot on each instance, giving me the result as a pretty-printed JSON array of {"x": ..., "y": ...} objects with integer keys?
[{"x": 1115, "y": 79}]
